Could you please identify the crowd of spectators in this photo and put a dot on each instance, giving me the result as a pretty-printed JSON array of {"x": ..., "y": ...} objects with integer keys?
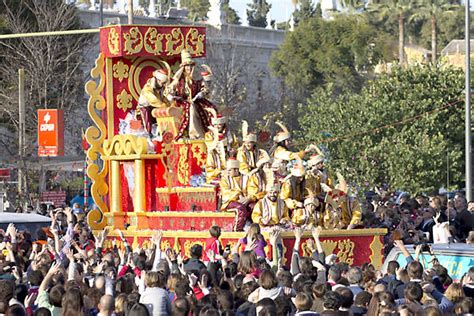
[
  {"x": 67, "y": 271},
  {"x": 421, "y": 218}
]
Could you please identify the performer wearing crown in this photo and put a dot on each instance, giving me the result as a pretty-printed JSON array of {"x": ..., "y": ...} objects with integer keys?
[
  {"x": 153, "y": 96},
  {"x": 271, "y": 210},
  {"x": 188, "y": 90}
]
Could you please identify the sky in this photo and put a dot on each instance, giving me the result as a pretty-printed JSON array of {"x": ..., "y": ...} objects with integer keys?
[{"x": 280, "y": 11}]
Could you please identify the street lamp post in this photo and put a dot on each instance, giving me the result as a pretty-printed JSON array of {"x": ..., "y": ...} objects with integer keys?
[{"x": 468, "y": 103}]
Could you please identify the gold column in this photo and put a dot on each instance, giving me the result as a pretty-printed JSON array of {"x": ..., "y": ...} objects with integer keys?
[
  {"x": 116, "y": 192},
  {"x": 139, "y": 203}
]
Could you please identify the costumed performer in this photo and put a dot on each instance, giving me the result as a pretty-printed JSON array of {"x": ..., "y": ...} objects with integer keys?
[
  {"x": 248, "y": 154},
  {"x": 217, "y": 143},
  {"x": 293, "y": 188},
  {"x": 153, "y": 96},
  {"x": 280, "y": 151},
  {"x": 342, "y": 210},
  {"x": 318, "y": 174},
  {"x": 233, "y": 194},
  {"x": 257, "y": 179},
  {"x": 307, "y": 215},
  {"x": 188, "y": 90},
  {"x": 271, "y": 210}
]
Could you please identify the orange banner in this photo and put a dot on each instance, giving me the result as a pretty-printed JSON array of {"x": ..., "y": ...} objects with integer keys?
[{"x": 50, "y": 133}]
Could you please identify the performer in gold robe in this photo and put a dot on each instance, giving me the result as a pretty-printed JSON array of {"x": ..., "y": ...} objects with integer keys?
[
  {"x": 317, "y": 174},
  {"x": 342, "y": 210},
  {"x": 217, "y": 139},
  {"x": 153, "y": 96},
  {"x": 233, "y": 194},
  {"x": 307, "y": 216},
  {"x": 257, "y": 180},
  {"x": 271, "y": 210},
  {"x": 248, "y": 154},
  {"x": 280, "y": 151},
  {"x": 293, "y": 188}
]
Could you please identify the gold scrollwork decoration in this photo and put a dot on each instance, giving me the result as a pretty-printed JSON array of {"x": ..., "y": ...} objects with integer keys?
[
  {"x": 125, "y": 145},
  {"x": 195, "y": 42},
  {"x": 133, "y": 41},
  {"x": 175, "y": 38},
  {"x": 95, "y": 136},
  {"x": 346, "y": 251},
  {"x": 183, "y": 165},
  {"x": 153, "y": 41},
  {"x": 329, "y": 246},
  {"x": 168, "y": 159},
  {"x": 120, "y": 71},
  {"x": 376, "y": 248},
  {"x": 124, "y": 100},
  {"x": 113, "y": 41}
]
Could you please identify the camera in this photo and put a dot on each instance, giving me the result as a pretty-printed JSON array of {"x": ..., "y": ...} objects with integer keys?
[{"x": 425, "y": 247}]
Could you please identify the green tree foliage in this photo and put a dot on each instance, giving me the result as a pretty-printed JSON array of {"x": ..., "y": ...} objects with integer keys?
[
  {"x": 430, "y": 11},
  {"x": 257, "y": 13},
  {"x": 304, "y": 11},
  {"x": 401, "y": 10},
  {"x": 231, "y": 15},
  {"x": 450, "y": 26},
  {"x": 319, "y": 52},
  {"x": 197, "y": 9},
  {"x": 411, "y": 155}
]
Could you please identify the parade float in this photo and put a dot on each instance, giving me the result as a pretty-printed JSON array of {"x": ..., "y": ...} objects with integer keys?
[{"x": 142, "y": 183}]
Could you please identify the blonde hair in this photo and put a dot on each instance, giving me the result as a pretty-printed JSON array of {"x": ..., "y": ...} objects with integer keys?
[
  {"x": 153, "y": 279},
  {"x": 253, "y": 233},
  {"x": 454, "y": 292},
  {"x": 120, "y": 304},
  {"x": 172, "y": 281}
]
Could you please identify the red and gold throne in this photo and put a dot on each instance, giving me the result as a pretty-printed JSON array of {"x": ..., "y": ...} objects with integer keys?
[{"x": 137, "y": 189}]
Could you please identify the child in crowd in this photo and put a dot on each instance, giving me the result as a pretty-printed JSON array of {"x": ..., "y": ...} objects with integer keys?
[{"x": 254, "y": 240}]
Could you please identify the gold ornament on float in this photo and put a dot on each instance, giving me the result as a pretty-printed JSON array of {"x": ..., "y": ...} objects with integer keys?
[
  {"x": 120, "y": 71},
  {"x": 133, "y": 41},
  {"x": 195, "y": 42},
  {"x": 199, "y": 153},
  {"x": 183, "y": 165},
  {"x": 175, "y": 38},
  {"x": 125, "y": 145},
  {"x": 124, "y": 100},
  {"x": 95, "y": 136},
  {"x": 113, "y": 41},
  {"x": 153, "y": 41}
]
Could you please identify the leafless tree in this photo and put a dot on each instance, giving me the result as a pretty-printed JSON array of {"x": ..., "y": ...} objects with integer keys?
[
  {"x": 54, "y": 77},
  {"x": 230, "y": 69}
]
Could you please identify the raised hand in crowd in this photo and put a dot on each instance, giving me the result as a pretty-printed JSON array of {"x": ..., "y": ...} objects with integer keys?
[{"x": 156, "y": 238}]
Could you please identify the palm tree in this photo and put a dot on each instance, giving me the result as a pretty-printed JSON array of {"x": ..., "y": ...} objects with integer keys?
[
  {"x": 432, "y": 9},
  {"x": 354, "y": 8},
  {"x": 353, "y": 5},
  {"x": 402, "y": 10}
]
